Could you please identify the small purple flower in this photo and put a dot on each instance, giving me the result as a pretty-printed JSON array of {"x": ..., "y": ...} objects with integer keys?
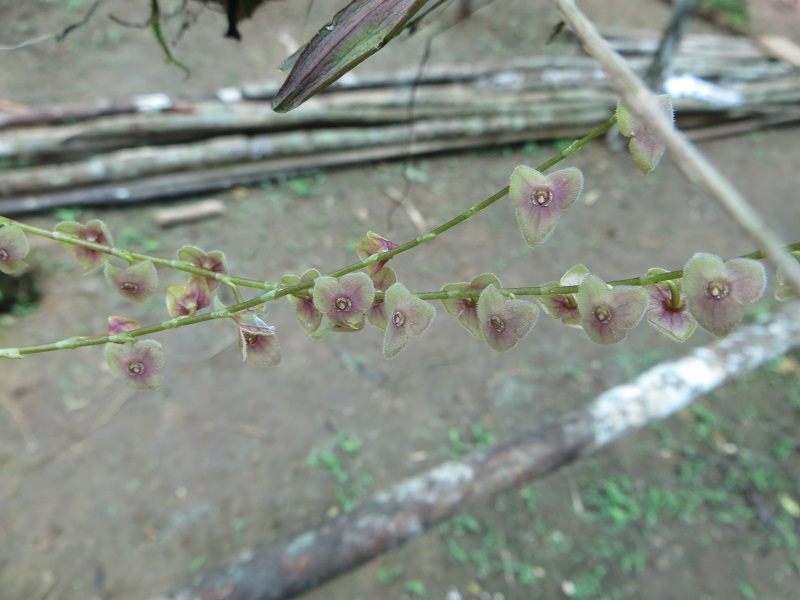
[
  {"x": 540, "y": 199},
  {"x": 137, "y": 283},
  {"x": 95, "y": 232},
  {"x": 608, "y": 313},
  {"x": 345, "y": 300},
  {"x": 564, "y": 306},
  {"x": 382, "y": 280},
  {"x": 717, "y": 291},
  {"x": 257, "y": 340},
  {"x": 645, "y": 147},
  {"x": 668, "y": 312},
  {"x": 408, "y": 315},
  {"x": 137, "y": 364},
  {"x": 374, "y": 244},
  {"x": 466, "y": 309},
  {"x": 213, "y": 261},
  {"x": 307, "y": 314},
  {"x": 186, "y": 300},
  {"x": 504, "y": 321},
  {"x": 121, "y": 325},
  {"x": 13, "y": 248}
]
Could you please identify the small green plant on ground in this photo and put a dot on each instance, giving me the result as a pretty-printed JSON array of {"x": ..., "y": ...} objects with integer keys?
[
  {"x": 735, "y": 12},
  {"x": 478, "y": 437},
  {"x": 336, "y": 463}
]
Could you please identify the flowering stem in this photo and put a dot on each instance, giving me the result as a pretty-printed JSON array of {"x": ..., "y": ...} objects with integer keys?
[
  {"x": 271, "y": 286},
  {"x": 471, "y": 212},
  {"x": 573, "y": 289},
  {"x": 432, "y": 234},
  {"x": 131, "y": 257},
  {"x": 80, "y": 342},
  {"x": 273, "y": 291}
]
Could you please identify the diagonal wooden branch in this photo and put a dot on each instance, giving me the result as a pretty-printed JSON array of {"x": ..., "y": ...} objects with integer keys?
[
  {"x": 691, "y": 161},
  {"x": 388, "y": 519},
  {"x": 682, "y": 11}
]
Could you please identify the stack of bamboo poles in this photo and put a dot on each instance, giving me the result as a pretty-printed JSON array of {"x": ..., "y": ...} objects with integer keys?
[{"x": 155, "y": 147}]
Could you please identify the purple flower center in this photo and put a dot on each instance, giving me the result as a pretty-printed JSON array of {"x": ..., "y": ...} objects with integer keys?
[
  {"x": 136, "y": 367},
  {"x": 602, "y": 314},
  {"x": 129, "y": 286},
  {"x": 249, "y": 339},
  {"x": 398, "y": 318},
  {"x": 343, "y": 304},
  {"x": 497, "y": 323},
  {"x": 716, "y": 290},
  {"x": 469, "y": 302},
  {"x": 542, "y": 197}
]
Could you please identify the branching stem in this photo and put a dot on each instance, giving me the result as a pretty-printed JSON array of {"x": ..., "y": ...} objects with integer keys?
[
  {"x": 155, "y": 26},
  {"x": 128, "y": 256},
  {"x": 273, "y": 291}
]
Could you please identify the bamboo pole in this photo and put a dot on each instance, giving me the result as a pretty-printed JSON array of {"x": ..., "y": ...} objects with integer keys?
[
  {"x": 182, "y": 184},
  {"x": 135, "y": 155}
]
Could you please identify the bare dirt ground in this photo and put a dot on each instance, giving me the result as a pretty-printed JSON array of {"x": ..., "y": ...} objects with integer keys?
[{"x": 114, "y": 494}]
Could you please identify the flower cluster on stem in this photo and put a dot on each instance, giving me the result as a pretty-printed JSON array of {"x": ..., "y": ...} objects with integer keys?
[{"x": 708, "y": 291}]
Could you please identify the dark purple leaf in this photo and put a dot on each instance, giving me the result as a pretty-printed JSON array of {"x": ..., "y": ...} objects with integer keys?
[{"x": 356, "y": 32}]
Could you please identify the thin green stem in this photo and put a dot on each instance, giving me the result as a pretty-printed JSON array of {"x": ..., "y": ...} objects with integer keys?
[
  {"x": 81, "y": 342},
  {"x": 471, "y": 212},
  {"x": 675, "y": 295},
  {"x": 573, "y": 289},
  {"x": 155, "y": 26}
]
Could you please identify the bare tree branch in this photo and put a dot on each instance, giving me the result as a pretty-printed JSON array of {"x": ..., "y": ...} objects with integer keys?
[
  {"x": 682, "y": 11},
  {"x": 691, "y": 161},
  {"x": 86, "y": 18},
  {"x": 388, "y": 519}
]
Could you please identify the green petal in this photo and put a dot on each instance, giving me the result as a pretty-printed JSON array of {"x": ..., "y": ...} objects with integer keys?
[{"x": 13, "y": 248}]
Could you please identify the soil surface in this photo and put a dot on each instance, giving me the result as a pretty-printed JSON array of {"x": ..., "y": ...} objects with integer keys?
[{"x": 108, "y": 493}]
